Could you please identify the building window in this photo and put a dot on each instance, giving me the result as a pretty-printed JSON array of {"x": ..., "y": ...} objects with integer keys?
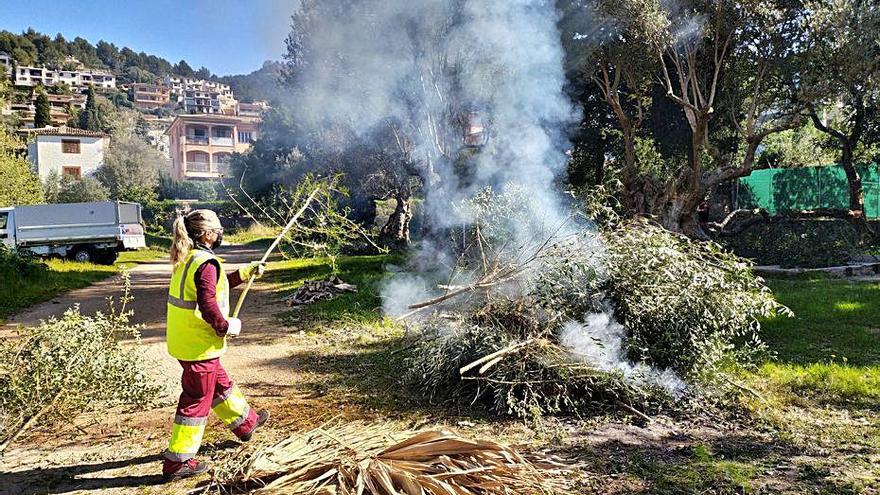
[
  {"x": 244, "y": 137},
  {"x": 70, "y": 146},
  {"x": 71, "y": 172}
]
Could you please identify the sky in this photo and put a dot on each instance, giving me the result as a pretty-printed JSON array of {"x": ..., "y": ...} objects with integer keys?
[{"x": 226, "y": 36}]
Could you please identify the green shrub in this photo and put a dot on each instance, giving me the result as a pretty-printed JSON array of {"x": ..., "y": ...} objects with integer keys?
[
  {"x": 159, "y": 215},
  {"x": 59, "y": 189},
  {"x": 69, "y": 365},
  {"x": 797, "y": 243},
  {"x": 17, "y": 266},
  {"x": 187, "y": 189}
]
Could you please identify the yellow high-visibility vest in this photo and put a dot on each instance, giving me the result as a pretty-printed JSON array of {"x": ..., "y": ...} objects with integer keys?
[{"x": 188, "y": 336}]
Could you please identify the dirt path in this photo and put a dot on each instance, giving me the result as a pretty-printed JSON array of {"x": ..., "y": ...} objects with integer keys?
[{"x": 120, "y": 452}]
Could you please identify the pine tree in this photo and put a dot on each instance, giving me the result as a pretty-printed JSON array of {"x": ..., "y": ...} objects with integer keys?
[
  {"x": 89, "y": 118},
  {"x": 42, "y": 115}
]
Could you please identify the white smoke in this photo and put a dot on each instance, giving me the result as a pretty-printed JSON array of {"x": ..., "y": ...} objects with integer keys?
[
  {"x": 599, "y": 341},
  {"x": 419, "y": 64}
]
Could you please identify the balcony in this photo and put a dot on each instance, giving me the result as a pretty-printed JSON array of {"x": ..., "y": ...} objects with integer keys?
[
  {"x": 198, "y": 167},
  {"x": 197, "y": 140},
  {"x": 221, "y": 141}
]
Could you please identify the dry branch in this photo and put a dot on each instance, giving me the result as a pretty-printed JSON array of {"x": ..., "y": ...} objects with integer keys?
[{"x": 272, "y": 247}]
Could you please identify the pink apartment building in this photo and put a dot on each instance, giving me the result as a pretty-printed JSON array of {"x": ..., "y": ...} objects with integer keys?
[{"x": 201, "y": 145}]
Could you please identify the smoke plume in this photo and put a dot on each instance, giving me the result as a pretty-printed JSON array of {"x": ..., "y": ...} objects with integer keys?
[
  {"x": 433, "y": 71},
  {"x": 599, "y": 341}
]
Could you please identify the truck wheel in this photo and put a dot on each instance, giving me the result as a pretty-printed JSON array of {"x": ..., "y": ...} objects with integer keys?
[
  {"x": 83, "y": 255},
  {"x": 107, "y": 257}
]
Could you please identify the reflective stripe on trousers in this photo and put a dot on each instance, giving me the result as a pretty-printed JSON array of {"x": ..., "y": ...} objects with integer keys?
[
  {"x": 233, "y": 409},
  {"x": 186, "y": 437}
]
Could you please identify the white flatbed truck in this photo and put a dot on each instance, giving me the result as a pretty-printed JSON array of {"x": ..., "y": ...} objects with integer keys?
[{"x": 94, "y": 232}]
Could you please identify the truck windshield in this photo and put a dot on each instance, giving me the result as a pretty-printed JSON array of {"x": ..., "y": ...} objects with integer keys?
[{"x": 4, "y": 219}]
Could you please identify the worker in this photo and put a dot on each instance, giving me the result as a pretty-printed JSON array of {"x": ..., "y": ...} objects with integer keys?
[{"x": 196, "y": 332}]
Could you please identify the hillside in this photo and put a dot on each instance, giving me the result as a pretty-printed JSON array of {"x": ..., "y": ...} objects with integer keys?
[
  {"x": 33, "y": 48},
  {"x": 261, "y": 84}
]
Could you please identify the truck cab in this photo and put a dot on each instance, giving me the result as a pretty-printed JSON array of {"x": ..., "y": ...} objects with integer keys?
[{"x": 7, "y": 228}]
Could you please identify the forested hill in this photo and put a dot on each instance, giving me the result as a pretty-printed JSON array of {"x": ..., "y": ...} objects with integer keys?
[
  {"x": 34, "y": 48},
  {"x": 37, "y": 49},
  {"x": 261, "y": 84}
]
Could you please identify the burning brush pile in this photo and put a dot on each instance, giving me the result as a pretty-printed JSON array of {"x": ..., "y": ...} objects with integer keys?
[
  {"x": 360, "y": 458},
  {"x": 568, "y": 320}
]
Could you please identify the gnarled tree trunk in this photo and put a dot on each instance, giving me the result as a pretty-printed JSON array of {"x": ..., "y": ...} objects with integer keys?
[{"x": 395, "y": 232}]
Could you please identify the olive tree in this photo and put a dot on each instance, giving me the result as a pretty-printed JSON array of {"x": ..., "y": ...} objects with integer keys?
[
  {"x": 131, "y": 165},
  {"x": 418, "y": 108},
  {"x": 840, "y": 80},
  {"x": 722, "y": 63}
]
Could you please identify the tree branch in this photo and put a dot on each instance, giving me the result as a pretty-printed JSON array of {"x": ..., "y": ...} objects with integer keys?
[{"x": 822, "y": 127}]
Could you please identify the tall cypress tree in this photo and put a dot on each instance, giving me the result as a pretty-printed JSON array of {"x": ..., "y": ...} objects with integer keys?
[
  {"x": 89, "y": 118},
  {"x": 42, "y": 115}
]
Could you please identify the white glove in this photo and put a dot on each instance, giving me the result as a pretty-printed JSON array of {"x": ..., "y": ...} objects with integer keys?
[
  {"x": 234, "y": 327},
  {"x": 255, "y": 269}
]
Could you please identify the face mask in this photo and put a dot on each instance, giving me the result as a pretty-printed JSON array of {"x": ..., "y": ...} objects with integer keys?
[{"x": 218, "y": 242}]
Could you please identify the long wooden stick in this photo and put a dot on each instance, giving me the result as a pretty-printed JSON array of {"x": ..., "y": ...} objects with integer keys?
[{"x": 272, "y": 247}]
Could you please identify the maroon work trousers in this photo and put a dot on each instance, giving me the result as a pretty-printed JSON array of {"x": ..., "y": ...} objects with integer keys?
[{"x": 207, "y": 386}]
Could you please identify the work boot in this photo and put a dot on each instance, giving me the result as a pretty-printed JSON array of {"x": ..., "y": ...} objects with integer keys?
[
  {"x": 187, "y": 469},
  {"x": 262, "y": 416}
]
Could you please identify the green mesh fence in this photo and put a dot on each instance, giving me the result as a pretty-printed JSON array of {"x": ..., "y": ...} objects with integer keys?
[{"x": 807, "y": 188}]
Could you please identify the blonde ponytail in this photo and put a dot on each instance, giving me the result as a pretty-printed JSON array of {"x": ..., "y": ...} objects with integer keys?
[
  {"x": 187, "y": 228},
  {"x": 181, "y": 244}
]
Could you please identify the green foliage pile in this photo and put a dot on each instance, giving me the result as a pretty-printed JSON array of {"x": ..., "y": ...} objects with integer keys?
[
  {"x": 797, "y": 243},
  {"x": 689, "y": 311},
  {"x": 69, "y": 365},
  {"x": 538, "y": 378},
  {"x": 687, "y": 305}
]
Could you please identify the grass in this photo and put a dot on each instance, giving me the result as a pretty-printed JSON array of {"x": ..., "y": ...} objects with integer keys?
[
  {"x": 835, "y": 320},
  {"x": 345, "y": 343},
  {"x": 830, "y": 349},
  {"x": 695, "y": 470},
  {"x": 822, "y": 387},
  {"x": 254, "y": 235},
  {"x": 127, "y": 259},
  {"x": 159, "y": 242},
  {"x": 62, "y": 275},
  {"x": 361, "y": 307}
]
